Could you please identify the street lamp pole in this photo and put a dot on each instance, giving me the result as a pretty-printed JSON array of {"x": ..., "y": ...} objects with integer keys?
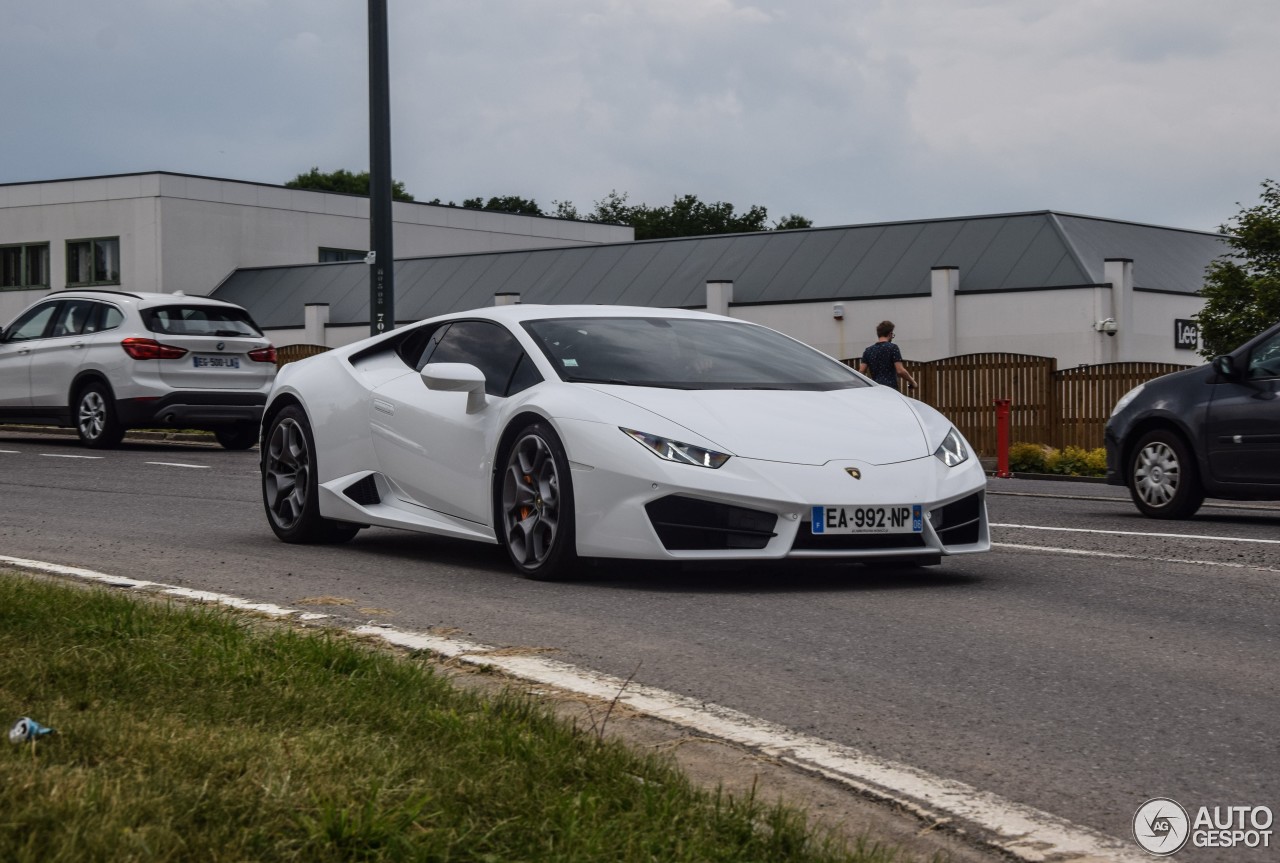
[{"x": 382, "y": 315}]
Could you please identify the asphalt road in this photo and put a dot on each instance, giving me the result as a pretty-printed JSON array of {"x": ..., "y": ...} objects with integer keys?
[{"x": 1079, "y": 671}]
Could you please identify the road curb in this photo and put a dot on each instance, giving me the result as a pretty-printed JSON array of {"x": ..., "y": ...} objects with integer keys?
[{"x": 151, "y": 435}]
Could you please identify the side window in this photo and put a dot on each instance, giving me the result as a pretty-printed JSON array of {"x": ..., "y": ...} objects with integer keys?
[
  {"x": 526, "y": 375},
  {"x": 111, "y": 318},
  {"x": 488, "y": 347},
  {"x": 429, "y": 348},
  {"x": 412, "y": 347},
  {"x": 1264, "y": 360},
  {"x": 32, "y": 325},
  {"x": 73, "y": 317}
]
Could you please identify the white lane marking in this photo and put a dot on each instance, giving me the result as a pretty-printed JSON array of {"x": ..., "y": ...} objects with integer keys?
[
  {"x": 1113, "y": 554},
  {"x": 1139, "y": 533},
  {"x": 11, "y": 451},
  {"x": 1023, "y": 832},
  {"x": 186, "y": 593},
  {"x": 63, "y": 455},
  {"x": 178, "y": 464}
]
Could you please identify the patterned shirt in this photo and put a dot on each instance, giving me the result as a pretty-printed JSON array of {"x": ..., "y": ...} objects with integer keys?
[{"x": 880, "y": 359}]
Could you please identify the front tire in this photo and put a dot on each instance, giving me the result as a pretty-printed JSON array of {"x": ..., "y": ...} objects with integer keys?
[
  {"x": 96, "y": 421},
  {"x": 533, "y": 505},
  {"x": 1163, "y": 480},
  {"x": 290, "y": 487},
  {"x": 237, "y": 437}
]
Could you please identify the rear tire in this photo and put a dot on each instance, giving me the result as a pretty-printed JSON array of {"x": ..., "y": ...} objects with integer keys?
[
  {"x": 95, "y": 415},
  {"x": 290, "y": 487},
  {"x": 237, "y": 437},
  {"x": 533, "y": 505},
  {"x": 1163, "y": 480}
]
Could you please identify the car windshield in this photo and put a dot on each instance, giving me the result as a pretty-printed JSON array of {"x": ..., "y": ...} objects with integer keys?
[
  {"x": 684, "y": 353},
  {"x": 200, "y": 320}
]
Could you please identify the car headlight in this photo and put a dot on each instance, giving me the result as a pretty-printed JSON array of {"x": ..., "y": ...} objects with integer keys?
[
  {"x": 952, "y": 450},
  {"x": 674, "y": 450},
  {"x": 1126, "y": 398}
]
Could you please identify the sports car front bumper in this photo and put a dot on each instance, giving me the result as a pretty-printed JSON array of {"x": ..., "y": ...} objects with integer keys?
[{"x": 632, "y": 504}]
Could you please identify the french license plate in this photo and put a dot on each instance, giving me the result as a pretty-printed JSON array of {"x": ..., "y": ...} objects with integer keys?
[
  {"x": 216, "y": 362},
  {"x": 904, "y": 518}
]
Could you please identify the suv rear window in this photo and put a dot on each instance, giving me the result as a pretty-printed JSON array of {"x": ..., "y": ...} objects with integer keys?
[{"x": 199, "y": 321}]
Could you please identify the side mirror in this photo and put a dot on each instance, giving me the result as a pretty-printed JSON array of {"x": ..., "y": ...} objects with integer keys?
[
  {"x": 456, "y": 378},
  {"x": 1226, "y": 366}
]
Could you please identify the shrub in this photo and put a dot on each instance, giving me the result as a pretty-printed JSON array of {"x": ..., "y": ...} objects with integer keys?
[
  {"x": 1077, "y": 461},
  {"x": 1028, "y": 457},
  {"x": 1072, "y": 461}
]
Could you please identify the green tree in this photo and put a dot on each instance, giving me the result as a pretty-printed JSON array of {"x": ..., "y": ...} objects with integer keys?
[
  {"x": 792, "y": 222},
  {"x": 342, "y": 180},
  {"x": 1242, "y": 288},
  {"x": 506, "y": 204},
  {"x": 687, "y": 216}
]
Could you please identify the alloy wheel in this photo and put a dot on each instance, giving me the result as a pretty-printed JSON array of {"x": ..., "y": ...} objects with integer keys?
[
  {"x": 531, "y": 501},
  {"x": 288, "y": 469},
  {"x": 92, "y": 417}
]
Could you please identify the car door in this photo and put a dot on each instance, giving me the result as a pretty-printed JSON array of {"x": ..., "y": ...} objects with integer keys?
[
  {"x": 426, "y": 442},
  {"x": 15, "y": 356},
  {"x": 1244, "y": 419},
  {"x": 55, "y": 358}
]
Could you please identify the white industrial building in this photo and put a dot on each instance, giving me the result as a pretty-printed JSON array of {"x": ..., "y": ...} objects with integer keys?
[{"x": 161, "y": 231}]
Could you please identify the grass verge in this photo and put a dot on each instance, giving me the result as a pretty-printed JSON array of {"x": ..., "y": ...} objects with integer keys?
[{"x": 195, "y": 734}]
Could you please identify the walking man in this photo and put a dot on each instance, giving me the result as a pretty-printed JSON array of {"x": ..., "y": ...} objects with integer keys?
[{"x": 882, "y": 361}]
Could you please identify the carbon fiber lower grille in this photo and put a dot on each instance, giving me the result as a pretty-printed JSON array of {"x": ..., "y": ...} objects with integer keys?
[{"x": 807, "y": 540}]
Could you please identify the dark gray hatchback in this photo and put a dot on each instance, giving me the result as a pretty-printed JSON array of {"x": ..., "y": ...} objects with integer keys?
[{"x": 1211, "y": 431}]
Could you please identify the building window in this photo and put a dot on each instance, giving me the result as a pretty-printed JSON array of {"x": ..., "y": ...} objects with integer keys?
[
  {"x": 93, "y": 262},
  {"x": 24, "y": 266},
  {"x": 330, "y": 256}
]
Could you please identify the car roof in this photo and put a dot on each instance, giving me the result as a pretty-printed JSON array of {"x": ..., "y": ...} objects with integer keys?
[
  {"x": 519, "y": 312},
  {"x": 142, "y": 299}
]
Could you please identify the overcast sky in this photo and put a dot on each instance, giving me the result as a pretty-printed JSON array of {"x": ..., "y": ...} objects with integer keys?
[{"x": 844, "y": 111}]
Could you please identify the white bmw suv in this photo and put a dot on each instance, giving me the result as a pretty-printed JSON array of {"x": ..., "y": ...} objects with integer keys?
[{"x": 107, "y": 361}]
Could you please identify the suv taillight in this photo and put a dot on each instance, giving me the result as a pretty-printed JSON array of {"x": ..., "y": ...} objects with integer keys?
[
  {"x": 264, "y": 355},
  {"x": 150, "y": 349}
]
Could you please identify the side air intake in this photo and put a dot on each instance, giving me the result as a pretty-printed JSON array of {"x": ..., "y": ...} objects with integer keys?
[{"x": 364, "y": 492}]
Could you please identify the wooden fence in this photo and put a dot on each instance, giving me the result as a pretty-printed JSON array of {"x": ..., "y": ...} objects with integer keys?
[
  {"x": 291, "y": 353},
  {"x": 1058, "y": 407}
]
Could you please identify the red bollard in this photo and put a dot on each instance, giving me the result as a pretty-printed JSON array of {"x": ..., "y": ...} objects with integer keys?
[{"x": 1002, "y": 438}]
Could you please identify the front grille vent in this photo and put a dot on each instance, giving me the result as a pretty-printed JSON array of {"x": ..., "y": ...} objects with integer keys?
[
  {"x": 959, "y": 522},
  {"x": 688, "y": 524}
]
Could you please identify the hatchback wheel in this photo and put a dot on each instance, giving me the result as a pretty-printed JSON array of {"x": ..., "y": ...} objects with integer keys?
[
  {"x": 1162, "y": 477},
  {"x": 95, "y": 415},
  {"x": 289, "y": 484}
]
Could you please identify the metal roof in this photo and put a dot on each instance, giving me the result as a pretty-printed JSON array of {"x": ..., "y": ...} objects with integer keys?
[{"x": 1017, "y": 251}]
